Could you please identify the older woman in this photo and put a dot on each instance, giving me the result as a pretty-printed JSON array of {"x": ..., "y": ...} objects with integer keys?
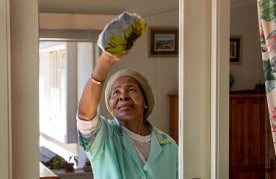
[{"x": 128, "y": 146}]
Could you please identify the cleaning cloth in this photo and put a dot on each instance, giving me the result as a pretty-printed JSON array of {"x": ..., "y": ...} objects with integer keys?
[{"x": 119, "y": 34}]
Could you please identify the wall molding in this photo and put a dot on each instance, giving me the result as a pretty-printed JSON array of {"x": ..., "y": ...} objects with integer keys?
[{"x": 73, "y": 21}]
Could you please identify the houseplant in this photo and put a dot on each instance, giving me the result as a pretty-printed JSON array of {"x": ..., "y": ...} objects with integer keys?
[
  {"x": 69, "y": 165},
  {"x": 57, "y": 163}
]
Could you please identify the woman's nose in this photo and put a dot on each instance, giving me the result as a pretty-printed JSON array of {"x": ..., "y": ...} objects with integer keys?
[{"x": 123, "y": 96}]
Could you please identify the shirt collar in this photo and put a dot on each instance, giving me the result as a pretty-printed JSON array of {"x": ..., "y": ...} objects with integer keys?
[{"x": 161, "y": 136}]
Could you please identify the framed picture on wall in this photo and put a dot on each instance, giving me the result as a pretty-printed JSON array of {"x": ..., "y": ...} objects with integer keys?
[
  {"x": 235, "y": 49},
  {"x": 163, "y": 42}
]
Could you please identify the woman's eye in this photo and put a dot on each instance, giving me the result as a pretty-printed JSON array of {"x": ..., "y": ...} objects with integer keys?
[
  {"x": 132, "y": 89},
  {"x": 115, "y": 92}
]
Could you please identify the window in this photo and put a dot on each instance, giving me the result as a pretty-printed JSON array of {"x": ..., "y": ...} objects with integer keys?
[
  {"x": 64, "y": 67},
  {"x": 52, "y": 90}
]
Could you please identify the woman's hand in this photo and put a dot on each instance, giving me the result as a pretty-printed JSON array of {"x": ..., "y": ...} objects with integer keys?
[{"x": 111, "y": 59}]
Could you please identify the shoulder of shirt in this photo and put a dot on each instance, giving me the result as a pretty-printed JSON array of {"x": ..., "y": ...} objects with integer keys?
[
  {"x": 114, "y": 123},
  {"x": 162, "y": 137}
]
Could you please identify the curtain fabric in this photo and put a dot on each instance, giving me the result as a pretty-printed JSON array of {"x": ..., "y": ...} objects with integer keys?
[{"x": 267, "y": 29}]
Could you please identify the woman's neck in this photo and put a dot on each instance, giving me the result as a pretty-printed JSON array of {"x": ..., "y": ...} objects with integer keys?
[{"x": 137, "y": 127}]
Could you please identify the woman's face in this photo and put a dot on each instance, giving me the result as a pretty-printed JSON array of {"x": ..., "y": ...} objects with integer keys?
[{"x": 127, "y": 101}]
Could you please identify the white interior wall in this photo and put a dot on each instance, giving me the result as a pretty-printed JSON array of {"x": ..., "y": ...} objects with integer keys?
[
  {"x": 84, "y": 64},
  {"x": 244, "y": 22},
  {"x": 72, "y": 99}
]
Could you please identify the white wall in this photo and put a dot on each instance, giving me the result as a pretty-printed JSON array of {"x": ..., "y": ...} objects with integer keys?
[
  {"x": 244, "y": 22},
  {"x": 72, "y": 92}
]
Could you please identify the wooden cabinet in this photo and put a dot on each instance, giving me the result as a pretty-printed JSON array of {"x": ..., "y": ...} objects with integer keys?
[
  {"x": 173, "y": 102},
  {"x": 251, "y": 153}
]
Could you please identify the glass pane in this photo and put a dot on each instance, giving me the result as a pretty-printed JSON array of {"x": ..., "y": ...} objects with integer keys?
[
  {"x": 52, "y": 89},
  {"x": 64, "y": 67}
]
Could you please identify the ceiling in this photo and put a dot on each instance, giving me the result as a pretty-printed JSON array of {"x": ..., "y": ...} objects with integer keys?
[
  {"x": 117, "y": 6},
  {"x": 107, "y": 6}
]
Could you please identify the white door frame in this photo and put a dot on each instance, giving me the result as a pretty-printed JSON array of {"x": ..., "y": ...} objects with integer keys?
[{"x": 205, "y": 154}]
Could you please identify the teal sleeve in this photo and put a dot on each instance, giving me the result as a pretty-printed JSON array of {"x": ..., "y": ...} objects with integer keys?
[{"x": 86, "y": 143}]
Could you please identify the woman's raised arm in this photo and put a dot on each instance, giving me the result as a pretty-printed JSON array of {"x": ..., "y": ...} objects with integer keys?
[{"x": 91, "y": 94}]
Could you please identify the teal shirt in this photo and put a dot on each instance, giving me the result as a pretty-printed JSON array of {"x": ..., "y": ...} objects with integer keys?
[{"x": 113, "y": 155}]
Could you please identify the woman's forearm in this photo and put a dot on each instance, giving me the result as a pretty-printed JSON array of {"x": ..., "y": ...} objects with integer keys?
[{"x": 92, "y": 91}]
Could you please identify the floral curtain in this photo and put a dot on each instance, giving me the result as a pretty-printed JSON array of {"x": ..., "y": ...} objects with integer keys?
[{"x": 267, "y": 28}]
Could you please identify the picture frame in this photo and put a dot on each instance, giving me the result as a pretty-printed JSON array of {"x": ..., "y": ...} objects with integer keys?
[
  {"x": 235, "y": 49},
  {"x": 163, "y": 42}
]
